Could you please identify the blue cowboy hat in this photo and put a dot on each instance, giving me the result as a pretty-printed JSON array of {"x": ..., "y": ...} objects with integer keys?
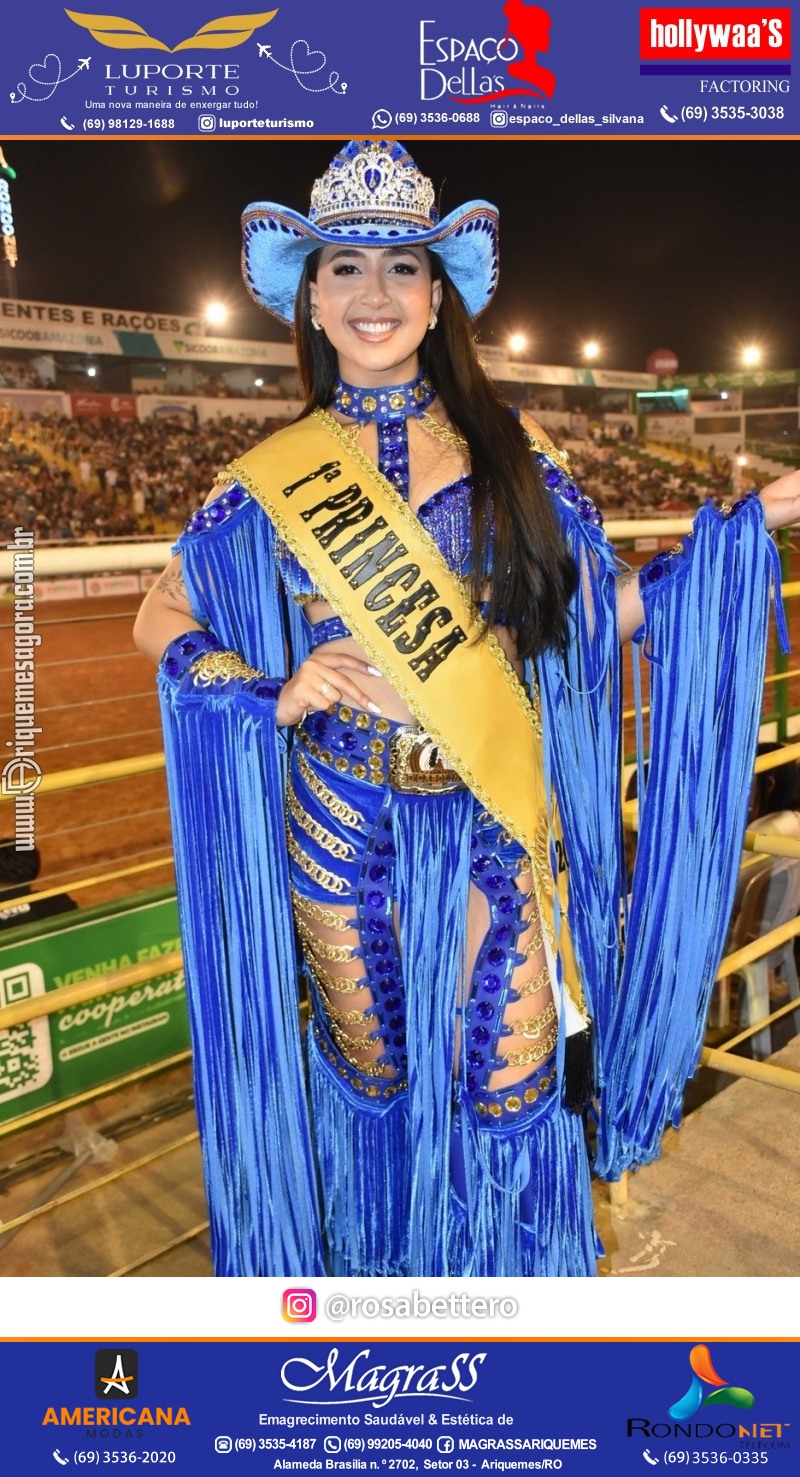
[{"x": 372, "y": 194}]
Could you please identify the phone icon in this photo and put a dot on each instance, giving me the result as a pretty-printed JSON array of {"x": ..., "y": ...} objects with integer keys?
[
  {"x": 70, "y": 127},
  {"x": 665, "y": 113},
  {"x": 653, "y": 1460},
  {"x": 64, "y": 1461}
]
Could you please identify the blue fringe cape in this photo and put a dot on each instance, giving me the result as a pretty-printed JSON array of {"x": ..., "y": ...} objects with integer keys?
[{"x": 706, "y": 634}]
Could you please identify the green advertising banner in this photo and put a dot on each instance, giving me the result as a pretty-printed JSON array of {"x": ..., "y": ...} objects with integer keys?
[{"x": 50, "y": 1059}]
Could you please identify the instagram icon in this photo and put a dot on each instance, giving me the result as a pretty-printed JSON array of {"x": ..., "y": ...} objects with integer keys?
[{"x": 299, "y": 1305}]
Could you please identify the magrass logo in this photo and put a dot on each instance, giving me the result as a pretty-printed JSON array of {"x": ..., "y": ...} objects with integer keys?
[
  {"x": 127, "y": 35},
  {"x": 116, "y": 1374},
  {"x": 703, "y": 1375}
]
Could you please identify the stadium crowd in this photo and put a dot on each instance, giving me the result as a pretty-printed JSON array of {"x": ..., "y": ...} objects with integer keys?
[{"x": 89, "y": 478}]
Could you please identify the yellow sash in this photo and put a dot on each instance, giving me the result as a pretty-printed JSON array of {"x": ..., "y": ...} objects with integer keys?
[{"x": 385, "y": 576}]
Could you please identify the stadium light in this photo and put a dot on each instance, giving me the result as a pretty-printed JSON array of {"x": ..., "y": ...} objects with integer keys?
[
  {"x": 92, "y": 371},
  {"x": 741, "y": 461},
  {"x": 216, "y": 314},
  {"x": 723, "y": 394},
  {"x": 751, "y": 355},
  {"x": 517, "y": 342},
  {"x": 258, "y": 384},
  {"x": 591, "y": 349}
]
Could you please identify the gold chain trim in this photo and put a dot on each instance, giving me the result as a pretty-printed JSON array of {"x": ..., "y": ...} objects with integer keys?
[
  {"x": 441, "y": 432},
  {"x": 538, "y": 982},
  {"x": 545, "y": 447},
  {"x": 350, "y": 1051},
  {"x": 346, "y": 1017},
  {"x": 312, "y": 869},
  {"x": 326, "y": 916},
  {"x": 337, "y": 953},
  {"x": 331, "y": 802},
  {"x": 534, "y": 945},
  {"x": 221, "y": 666},
  {"x": 327, "y": 982},
  {"x": 537, "y": 1023},
  {"x": 342, "y": 850},
  {"x": 532, "y": 1054}
]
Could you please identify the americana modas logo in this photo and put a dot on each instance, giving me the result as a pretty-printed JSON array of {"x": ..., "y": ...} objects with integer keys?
[
  {"x": 707, "y": 1388},
  {"x": 128, "y": 35},
  {"x": 116, "y": 1374}
]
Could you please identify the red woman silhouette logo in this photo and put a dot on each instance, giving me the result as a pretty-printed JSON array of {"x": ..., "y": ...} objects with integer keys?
[{"x": 530, "y": 27}]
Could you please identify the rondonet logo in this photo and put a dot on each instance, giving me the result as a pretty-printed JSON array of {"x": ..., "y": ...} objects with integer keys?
[
  {"x": 718, "y": 33},
  {"x": 127, "y": 35}
]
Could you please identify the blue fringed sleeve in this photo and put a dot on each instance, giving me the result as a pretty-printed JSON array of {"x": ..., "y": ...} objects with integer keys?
[
  {"x": 581, "y": 723},
  {"x": 226, "y": 769},
  {"x": 707, "y": 623}
]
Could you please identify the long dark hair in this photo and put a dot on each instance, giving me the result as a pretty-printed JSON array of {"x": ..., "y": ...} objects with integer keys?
[{"x": 533, "y": 575}]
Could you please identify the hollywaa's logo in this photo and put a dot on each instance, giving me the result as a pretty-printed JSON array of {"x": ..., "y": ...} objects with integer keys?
[
  {"x": 527, "y": 36},
  {"x": 127, "y": 35}
]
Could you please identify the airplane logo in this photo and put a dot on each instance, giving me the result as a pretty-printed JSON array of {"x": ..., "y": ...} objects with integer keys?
[{"x": 263, "y": 50}]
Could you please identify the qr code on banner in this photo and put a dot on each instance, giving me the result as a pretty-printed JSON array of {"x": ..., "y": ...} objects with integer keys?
[{"x": 26, "y": 1059}]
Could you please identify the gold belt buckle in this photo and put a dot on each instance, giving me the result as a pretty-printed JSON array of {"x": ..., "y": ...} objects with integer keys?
[{"x": 418, "y": 766}]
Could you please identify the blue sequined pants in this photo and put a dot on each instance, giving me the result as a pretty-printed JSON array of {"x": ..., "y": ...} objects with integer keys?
[{"x": 442, "y": 1144}]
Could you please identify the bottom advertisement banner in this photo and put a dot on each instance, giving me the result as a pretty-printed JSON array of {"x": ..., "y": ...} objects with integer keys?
[{"x": 390, "y": 1406}]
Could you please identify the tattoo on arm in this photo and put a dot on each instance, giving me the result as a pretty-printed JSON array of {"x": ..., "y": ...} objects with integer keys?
[
  {"x": 171, "y": 584},
  {"x": 627, "y": 578}
]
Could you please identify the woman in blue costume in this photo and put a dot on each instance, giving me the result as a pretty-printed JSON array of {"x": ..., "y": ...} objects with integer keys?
[{"x": 469, "y": 996}]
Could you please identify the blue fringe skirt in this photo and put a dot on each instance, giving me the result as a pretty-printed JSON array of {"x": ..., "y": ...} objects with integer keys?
[{"x": 425, "y": 1168}]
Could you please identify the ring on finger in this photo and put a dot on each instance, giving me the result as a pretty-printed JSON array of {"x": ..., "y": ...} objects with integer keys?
[{"x": 325, "y": 688}]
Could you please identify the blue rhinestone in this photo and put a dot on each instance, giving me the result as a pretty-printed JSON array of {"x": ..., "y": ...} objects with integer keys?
[
  {"x": 503, "y": 934},
  {"x": 348, "y": 741},
  {"x": 496, "y": 882},
  {"x": 385, "y": 986},
  {"x": 481, "y": 1035},
  {"x": 491, "y": 983},
  {"x": 380, "y": 946},
  {"x": 384, "y": 966},
  {"x": 377, "y": 873},
  {"x": 654, "y": 572},
  {"x": 396, "y": 1024},
  {"x": 552, "y": 479},
  {"x": 376, "y": 899},
  {"x": 377, "y": 925},
  {"x": 188, "y": 648},
  {"x": 485, "y": 1010},
  {"x": 393, "y": 1004},
  {"x": 570, "y": 493},
  {"x": 475, "y": 1058},
  {"x": 472, "y": 1082},
  {"x": 401, "y": 1039},
  {"x": 483, "y": 863},
  {"x": 496, "y": 956},
  {"x": 384, "y": 848},
  {"x": 235, "y": 497},
  {"x": 171, "y": 666},
  {"x": 506, "y": 904}
]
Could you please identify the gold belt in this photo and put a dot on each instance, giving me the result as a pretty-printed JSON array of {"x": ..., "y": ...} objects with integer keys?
[{"x": 418, "y": 766}]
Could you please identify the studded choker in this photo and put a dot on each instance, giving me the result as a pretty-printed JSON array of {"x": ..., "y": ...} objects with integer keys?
[{"x": 384, "y": 403}]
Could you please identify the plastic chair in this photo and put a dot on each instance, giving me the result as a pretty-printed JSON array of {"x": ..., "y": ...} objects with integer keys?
[{"x": 770, "y": 897}]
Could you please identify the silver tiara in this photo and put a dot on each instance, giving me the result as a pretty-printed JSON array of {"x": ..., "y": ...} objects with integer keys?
[{"x": 373, "y": 180}]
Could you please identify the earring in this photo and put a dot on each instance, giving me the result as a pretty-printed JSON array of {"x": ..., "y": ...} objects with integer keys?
[
  {"x": 315, "y": 323},
  {"x": 432, "y": 321}
]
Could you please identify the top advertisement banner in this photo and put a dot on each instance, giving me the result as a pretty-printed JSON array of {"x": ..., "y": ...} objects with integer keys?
[{"x": 490, "y": 68}]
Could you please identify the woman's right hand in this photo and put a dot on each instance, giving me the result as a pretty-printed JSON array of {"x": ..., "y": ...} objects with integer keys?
[{"x": 334, "y": 671}]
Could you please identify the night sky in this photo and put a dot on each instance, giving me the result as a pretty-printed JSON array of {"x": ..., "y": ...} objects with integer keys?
[{"x": 642, "y": 244}]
